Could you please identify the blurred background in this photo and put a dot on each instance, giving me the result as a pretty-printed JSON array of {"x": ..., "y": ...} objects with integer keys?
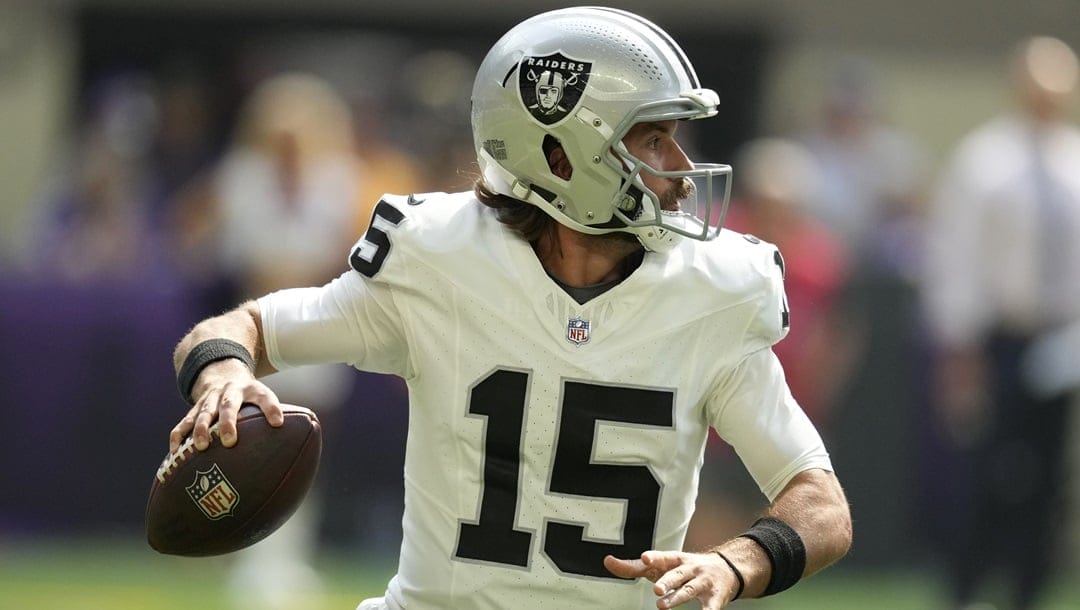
[{"x": 160, "y": 161}]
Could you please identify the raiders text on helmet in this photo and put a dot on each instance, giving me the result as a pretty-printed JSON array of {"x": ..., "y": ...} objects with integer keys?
[{"x": 585, "y": 76}]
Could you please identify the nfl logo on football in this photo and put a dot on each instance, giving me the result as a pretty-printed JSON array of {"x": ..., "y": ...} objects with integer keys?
[
  {"x": 577, "y": 331},
  {"x": 213, "y": 493}
]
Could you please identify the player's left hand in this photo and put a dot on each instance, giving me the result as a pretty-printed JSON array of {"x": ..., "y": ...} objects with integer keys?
[{"x": 679, "y": 577}]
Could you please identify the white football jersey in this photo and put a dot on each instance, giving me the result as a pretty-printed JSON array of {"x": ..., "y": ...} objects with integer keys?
[{"x": 544, "y": 434}]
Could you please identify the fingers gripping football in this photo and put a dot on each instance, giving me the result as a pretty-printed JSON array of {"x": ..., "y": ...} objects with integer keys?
[{"x": 221, "y": 390}]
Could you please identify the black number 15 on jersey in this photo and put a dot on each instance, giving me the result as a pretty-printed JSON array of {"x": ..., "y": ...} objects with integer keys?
[{"x": 500, "y": 398}]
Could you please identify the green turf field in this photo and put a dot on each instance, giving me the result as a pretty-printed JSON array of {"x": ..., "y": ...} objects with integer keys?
[{"x": 126, "y": 575}]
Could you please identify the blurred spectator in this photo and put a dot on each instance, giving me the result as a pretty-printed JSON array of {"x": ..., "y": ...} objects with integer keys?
[
  {"x": 292, "y": 173},
  {"x": 389, "y": 169},
  {"x": 1003, "y": 273},
  {"x": 438, "y": 87},
  {"x": 188, "y": 130},
  {"x": 96, "y": 218},
  {"x": 870, "y": 174},
  {"x": 774, "y": 176},
  {"x": 293, "y": 167},
  {"x": 105, "y": 214},
  {"x": 869, "y": 192}
]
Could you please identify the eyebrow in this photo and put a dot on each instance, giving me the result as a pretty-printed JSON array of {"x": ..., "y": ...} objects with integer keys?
[{"x": 651, "y": 126}]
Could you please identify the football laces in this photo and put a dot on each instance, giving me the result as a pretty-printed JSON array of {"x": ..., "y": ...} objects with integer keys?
[{"x": 177, "y": 457}]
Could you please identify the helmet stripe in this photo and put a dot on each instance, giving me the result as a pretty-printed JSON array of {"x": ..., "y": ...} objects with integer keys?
[{"x": 664, "y": 36}]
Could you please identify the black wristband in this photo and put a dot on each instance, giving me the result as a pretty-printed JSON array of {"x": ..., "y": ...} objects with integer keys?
[
  {"x": 785, "y": 549},
  {"x": 738, "y": 574},
  {"x": 204, "y": 354}
]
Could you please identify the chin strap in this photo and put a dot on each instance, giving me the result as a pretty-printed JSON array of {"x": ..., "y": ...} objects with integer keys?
[{"x": 652, "y": 238}]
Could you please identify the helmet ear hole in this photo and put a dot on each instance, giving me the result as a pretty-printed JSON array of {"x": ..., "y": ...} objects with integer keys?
[{"x": 556, "y": 157}]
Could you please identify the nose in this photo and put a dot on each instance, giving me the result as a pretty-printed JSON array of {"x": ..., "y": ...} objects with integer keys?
[{"x": 677, "y": 161}]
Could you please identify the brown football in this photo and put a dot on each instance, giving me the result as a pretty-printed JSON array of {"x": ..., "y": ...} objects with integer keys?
[{"x": 226, "y": 498}]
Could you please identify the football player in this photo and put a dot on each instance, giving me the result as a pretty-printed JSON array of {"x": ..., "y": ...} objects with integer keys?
[{"x": 569, "y": 331}]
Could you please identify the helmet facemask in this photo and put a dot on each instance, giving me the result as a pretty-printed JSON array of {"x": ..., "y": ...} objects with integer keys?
[{"x": 694, "y": 206}]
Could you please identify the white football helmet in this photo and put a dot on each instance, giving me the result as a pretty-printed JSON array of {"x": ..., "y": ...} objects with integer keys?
[{"x": 585, "y": 76}]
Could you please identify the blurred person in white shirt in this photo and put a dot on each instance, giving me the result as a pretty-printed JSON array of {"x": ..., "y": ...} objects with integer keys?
[{"x": 1003, "y": 275}]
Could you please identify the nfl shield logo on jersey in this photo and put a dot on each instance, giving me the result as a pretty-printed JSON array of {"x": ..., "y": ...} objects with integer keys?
[
  {"x": 213, "y": 493},
  {"x": 577, "y": 331}
]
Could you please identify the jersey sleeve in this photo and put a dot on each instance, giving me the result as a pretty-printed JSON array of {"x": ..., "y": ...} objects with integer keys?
[
  {"x": 353, "y": 319},
  {"x": 772, "y": 319},
  {"x": 750, "y": 405},
  {"x": 754, "y": 412},
  {"x": 362, "y": 317}
]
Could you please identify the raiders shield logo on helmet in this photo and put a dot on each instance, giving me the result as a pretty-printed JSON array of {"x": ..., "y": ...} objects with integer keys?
[{"x": 551, "y": 86}]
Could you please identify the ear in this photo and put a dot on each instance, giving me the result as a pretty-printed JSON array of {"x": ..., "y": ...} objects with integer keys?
[{"x": 559, "y": 164}]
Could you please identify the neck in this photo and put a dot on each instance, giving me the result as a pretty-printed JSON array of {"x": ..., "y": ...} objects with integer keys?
[{"x": 580, "y": 260}]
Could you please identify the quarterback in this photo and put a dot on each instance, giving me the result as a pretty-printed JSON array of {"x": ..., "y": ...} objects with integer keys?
[{"x": 569, "y": 332}]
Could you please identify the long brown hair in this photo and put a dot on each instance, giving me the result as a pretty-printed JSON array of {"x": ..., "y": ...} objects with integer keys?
[{"x": 524, "y": 218}]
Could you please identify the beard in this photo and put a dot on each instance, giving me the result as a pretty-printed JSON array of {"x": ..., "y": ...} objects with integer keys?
[{"x": 683, "y": 188}]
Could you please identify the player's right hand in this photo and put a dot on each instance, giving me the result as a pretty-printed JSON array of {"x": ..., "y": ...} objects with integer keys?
[{"x": 220, "y": 390}]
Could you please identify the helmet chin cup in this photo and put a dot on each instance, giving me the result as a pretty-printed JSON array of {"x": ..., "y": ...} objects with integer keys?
[{"x": 585, "y": 77}]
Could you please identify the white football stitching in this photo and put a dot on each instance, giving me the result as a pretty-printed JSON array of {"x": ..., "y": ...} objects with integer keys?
[{"x": 175, "y": 458}]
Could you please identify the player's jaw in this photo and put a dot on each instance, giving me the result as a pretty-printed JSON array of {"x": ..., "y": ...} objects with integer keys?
[{"x": 681, "y": 188}]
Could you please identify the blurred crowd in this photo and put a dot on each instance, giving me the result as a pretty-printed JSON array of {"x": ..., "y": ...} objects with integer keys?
[{"x": 935, "y": 310}]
